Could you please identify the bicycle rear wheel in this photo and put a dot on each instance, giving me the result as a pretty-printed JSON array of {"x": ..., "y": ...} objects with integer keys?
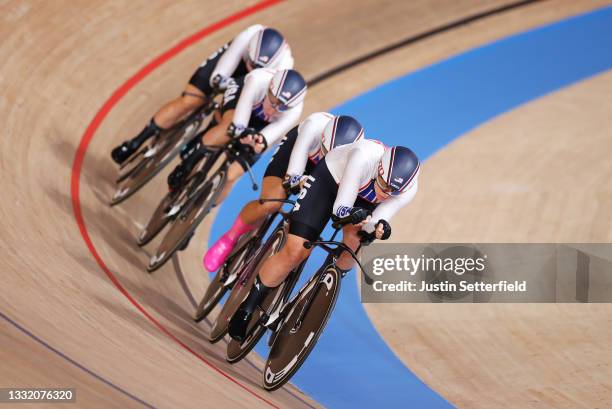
[
  {"x": 236, "y": 350},
  {"x": 169, "y": 147},
  {"x": 297, "y": 337},
  {"x": 218, "y": 286},
  {"x": 131, "y": 165},
  {"x": 188, "y": 219},
  {"x": 158, "y": 220},
  {"x": 244, "y": 284}
]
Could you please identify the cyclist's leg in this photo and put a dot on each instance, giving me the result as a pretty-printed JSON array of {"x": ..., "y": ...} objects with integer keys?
[
  {"x": 272, "y": 273},
  {"x": 195, "y": 94},
  {"x": 251, "y": 217},
  {"x": 275, "y": 269},
  {"x": 308, "y": 219},
  {"x": 254, "y": 213},
  {"x": 217, "y": 135},
  {"x": 173, "y": 111},
  {"x": 214, "y": 135},
  {"x": 216, "y": 255},
  {"x": 351, "y": 239}
]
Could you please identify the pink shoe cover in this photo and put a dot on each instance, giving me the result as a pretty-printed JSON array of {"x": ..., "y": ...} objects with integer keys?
[{"x": 217, "y": 254}]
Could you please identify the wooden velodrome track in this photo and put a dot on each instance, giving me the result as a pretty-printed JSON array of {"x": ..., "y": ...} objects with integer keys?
[{"x": 62, "y": 60}]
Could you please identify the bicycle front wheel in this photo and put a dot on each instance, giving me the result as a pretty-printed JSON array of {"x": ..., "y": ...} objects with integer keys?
[
  {"x": 218, "y": 286},
  {"x": 301, "y": 329},
  {"x": 188, "y": 220},
  {"x": 244, "y": 284},
  {"x": 158, "y": 220}
]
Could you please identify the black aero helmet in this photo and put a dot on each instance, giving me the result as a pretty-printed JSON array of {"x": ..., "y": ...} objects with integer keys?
[
  {"x": 287, "y": 89},
  {"x": 397, "y": 168},
  {"x": 341, "y": 130}
]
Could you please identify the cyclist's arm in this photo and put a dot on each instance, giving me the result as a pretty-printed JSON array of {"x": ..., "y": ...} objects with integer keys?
[
  {"x": 231, "y": 58},
  {"x": 387, "y": 209},
  {"x": 350, "y": 182},
  {"x": 274, "y": 131},
  {"x": 248, "y": 96},
  {"x": 306, "y": 141}
]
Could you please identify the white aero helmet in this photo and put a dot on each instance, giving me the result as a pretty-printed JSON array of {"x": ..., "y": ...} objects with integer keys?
[{"x": 287, "y": 89}]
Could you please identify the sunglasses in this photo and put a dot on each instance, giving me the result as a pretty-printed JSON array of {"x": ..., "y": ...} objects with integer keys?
[
  {"x": 388, "y": 190},
  {"x": 276, "y": 103}
]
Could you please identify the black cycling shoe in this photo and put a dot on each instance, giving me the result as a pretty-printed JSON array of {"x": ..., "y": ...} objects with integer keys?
[
  {"x": 122, "y": 152},
  {"x": 177, "y": 177},
  {"x": 127, "y": 148},
  {"x": 240, "y": 320},
  {"x": 190, "y": 148},
  {"x": 238, "y": 325}
]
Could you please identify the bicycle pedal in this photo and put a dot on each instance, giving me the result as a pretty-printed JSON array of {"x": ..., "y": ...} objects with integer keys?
[
  {"x": 173, "y": 210},
  {"x": 273, "y": 321},
  {"x": 224, "y": 275},
  {"x": 275, "y": 328},
  {"x": 150, "y": 152},
  {"x": 263, "y": 318},
  {"x": 230, "y": 279}
]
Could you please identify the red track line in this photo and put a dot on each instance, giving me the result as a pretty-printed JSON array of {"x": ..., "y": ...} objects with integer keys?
[{"x": 88, "y": 136}]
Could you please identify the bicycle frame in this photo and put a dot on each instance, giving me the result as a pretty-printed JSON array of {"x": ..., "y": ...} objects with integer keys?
[
  {"x": 253, "y": 260},
  {"x": 201, "y": 176},
  {"x": 317, "y": 276},
  {"x": 254, "y": 242}
]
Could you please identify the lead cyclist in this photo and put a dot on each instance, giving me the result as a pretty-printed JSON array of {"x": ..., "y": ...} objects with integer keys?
[
  {"x": 255, "y": 47},
  {"x": 364, "y": 183},
  {"x": 296, "y": 156}
]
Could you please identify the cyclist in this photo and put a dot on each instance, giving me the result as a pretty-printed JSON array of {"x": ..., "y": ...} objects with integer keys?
[
  {"x": 349, "y": 183},
  {"x": 297, "y": 154},
  {"x": 266, "y": 102},
  {"x": 255, "y": 47}
]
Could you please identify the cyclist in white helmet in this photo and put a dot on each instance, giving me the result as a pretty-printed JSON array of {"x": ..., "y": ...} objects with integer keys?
[
  {"x": 297, "y": 154},
  {"x": 267, "y": 102},
  {"x": 255, "y": 47},
  {"x": 365, "y": 184}
]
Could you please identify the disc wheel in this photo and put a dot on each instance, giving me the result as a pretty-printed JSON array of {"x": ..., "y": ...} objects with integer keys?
[
  {"x": 244, "y": 284},
  {"x": 131, "y": 165},
  {"x": 158, "y": 220},
  {"x": 145, "y": 170},
  {"x": 295, "y": 340},
  {"x": 236, "y": 350},
  {"x": 188, "y": 219}
]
